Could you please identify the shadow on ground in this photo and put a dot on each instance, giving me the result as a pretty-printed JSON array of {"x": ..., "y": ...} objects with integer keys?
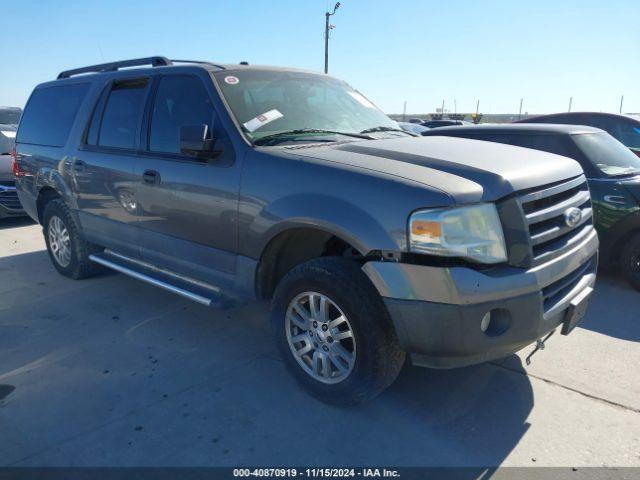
[
  {"x": 6, "y": 223},
  {"x": 121, "y": 373}
]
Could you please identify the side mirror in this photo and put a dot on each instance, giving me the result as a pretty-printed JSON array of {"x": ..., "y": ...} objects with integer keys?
[{"x": 195, "y": 140}]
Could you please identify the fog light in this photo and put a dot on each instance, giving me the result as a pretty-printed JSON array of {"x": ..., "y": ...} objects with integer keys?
[
  {"x": 495, "y": 322},
  {"x": 486, "y": 320}
]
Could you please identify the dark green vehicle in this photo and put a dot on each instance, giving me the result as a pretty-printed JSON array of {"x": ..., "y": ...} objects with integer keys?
[{"x": 613, "y": 173}]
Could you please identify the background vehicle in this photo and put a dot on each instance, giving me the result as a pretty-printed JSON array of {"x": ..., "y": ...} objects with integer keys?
[
  {"x": 613, "y": 173},
  {"x": 247, "y": 182},
  {"x": 412, "y": 127},
  {"x": 625, "y": 129},
  {"x": 9, "y": 203},
  {"x": 444, "y": 123}
]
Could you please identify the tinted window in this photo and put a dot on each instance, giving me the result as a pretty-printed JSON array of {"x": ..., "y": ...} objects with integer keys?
[
  {"x": 10, "y": 116},
  {"x": 548, "y": 143},
  {"x": 122, "y": 114},
  {"x": 49, "y": 114},
  {"x": 610, "y": 156},
  {"x": 180, "y": 101}
]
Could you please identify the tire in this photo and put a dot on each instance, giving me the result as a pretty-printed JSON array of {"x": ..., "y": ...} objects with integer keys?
[
  {"x": 58, "y": 218},
  {"x": 372, "y": 344},
  {"x": 630, "y": 261}
]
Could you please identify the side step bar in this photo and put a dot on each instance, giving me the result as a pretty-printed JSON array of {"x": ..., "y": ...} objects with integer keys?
[{"x": 204, "y": 294}]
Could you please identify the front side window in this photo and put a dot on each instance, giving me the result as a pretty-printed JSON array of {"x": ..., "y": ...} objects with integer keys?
[
  {"x": 272, "y": 102},
  {"x": 122, "y": 114},
  {"x": 50, "y": 113},
  {"x": 611, "y": 157},
  {"x": 181, "y": 100}
]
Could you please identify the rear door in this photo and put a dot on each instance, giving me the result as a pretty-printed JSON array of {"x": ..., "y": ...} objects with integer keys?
[
  {"x": 188, "y": 205},
  {"x": 103, "y": 171}
]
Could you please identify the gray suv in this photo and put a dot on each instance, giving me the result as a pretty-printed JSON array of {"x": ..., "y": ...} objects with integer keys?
[{"x": 226, "y": 183}]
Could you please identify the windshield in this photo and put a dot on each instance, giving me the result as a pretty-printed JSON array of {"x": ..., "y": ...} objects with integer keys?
[
  {"x": 271, "y": 102},
  {"x": 9, "y": 117},
  {"x": 609, "y": 155}
]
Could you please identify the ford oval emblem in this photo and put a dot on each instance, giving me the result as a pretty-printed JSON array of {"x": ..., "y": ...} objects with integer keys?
[{"x": 572, "y": 216}]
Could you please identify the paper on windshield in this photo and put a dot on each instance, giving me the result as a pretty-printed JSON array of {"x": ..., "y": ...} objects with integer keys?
[{"x": 261, "y": 120}]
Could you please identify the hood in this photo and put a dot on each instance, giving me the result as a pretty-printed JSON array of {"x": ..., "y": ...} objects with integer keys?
[
  {"x": 468, "y": 170},
  {"x": 7, "y": 138}
]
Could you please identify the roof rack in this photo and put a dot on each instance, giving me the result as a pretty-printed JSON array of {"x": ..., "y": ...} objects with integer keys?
[
  {"x": 113, "y": 66},
  {"x": 199, "y": 62}
]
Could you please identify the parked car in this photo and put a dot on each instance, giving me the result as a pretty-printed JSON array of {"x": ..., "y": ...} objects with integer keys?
[
  {"x": 613, "y": 173},
  {"x": 624, "y": 128},
  {"x": 412, "y": 127},
  {"x": 9, "y": 203},
  {"x": 272, "y": 183},
  {"x": 444, "y": 123}
]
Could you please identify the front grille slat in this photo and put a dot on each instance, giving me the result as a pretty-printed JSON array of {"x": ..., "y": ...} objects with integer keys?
[
  {"x": 555, "y": 292},
  {"x": 558, "y": 209},
  {"x": 544, "y": 218},
  {"x": 558, "y": 229}
]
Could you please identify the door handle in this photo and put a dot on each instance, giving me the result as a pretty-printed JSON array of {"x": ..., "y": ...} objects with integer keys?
[
  {"x": 151, "y": 177},
  {"x": 78, "y": 165}
]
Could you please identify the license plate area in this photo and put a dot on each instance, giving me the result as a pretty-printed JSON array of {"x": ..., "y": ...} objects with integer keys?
[{"x": 576, "y": 311}]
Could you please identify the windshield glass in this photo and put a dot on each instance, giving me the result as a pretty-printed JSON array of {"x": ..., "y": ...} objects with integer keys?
[
  {"x": 271, "y": 102},
  {"x": 609, "y": 155},
  {"x": 9, "y": 117}
]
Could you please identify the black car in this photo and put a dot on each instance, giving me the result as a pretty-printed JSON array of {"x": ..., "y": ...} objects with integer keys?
[
  {"x": 613, "y": 174},
  {"x": 444, "y": 123},
  {"x": 623, "y": 128}
]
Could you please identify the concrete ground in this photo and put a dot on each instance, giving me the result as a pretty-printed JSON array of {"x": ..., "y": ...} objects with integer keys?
[{"x": 111, "y": 371}]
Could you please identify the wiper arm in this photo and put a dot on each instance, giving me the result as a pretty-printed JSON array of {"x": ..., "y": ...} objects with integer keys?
[
  {"x": 301, "y": 131},
  {"x": 388, "y": 129}
]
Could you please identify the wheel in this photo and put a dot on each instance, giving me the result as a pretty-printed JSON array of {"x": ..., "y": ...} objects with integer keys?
[
  {"x": 334, "y": 333},
  {"x": 68, "y": 250},
  {"x": 630, "y": 261}
]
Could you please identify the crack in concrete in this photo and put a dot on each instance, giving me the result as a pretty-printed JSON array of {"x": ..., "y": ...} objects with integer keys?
[{"x": 571, "y": 389}]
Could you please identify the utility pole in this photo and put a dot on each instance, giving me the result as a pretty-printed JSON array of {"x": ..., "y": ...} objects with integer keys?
[
  {"x": 520, "y": 111},
  {"x": 477, "y": 107},
  {"x": 621, "y": 102},
  {"x": 442, "y": 110},
  {"x": 455, "y": 107},
  {"x": 328, "y": 27},
  {"x": 570, "y": 102},
  {"x": 404, "y": 112}
]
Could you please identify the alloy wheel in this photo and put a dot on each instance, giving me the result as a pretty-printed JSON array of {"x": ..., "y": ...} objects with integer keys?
[
  {"x": 59, "y": 241},
  {"x": 320, "y": 337}
]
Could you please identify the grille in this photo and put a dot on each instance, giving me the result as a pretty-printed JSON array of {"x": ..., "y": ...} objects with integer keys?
[
  {"x": 9, "y": 198},
  {"x": 556, "y": 292},
  {"x": 544, "y": 210}
]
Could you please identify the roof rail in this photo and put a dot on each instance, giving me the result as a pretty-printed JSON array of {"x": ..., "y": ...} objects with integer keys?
[
  {"x": 113, "y": 66},
  {"x": 199, "y": 62}
]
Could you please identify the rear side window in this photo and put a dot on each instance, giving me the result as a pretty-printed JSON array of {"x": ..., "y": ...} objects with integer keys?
[
  {"x": 49, "y": 115},
  {"x": 121, "y": 116},
  {"x": 181, "y": 100}
]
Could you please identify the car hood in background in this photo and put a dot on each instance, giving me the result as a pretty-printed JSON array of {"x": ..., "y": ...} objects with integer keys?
[
  {"x": 468, "y": 170},
  {"x": 7, "y": 138}
]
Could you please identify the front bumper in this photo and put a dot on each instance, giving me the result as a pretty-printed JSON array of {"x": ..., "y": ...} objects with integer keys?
[
  {"x": 9, "y": 203},
  {"x": 437, "y": 311}
]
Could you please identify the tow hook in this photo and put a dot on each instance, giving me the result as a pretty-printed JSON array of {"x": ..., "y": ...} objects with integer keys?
[{"x": 539, "y": 346}]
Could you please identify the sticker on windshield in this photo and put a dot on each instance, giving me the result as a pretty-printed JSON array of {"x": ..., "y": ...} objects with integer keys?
[
  {"x": 231, "y": 80},
  {"x": 261, "y": 120},
  {"x": 358, "y": 97}
]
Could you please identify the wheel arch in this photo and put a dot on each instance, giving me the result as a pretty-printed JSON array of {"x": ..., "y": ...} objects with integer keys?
[{"x": 296, "y": 244}]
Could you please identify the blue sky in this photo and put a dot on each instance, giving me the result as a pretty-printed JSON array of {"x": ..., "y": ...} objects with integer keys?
[{"x": 421, "y": 51}]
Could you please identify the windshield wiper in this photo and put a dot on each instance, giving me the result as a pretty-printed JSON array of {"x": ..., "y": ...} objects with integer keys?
[
  {"x": 388, "y": 129},
  {"x": 302, "y": 131}
]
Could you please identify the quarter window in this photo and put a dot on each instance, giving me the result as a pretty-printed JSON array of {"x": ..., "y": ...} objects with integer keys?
[
  {"x": 49, "y": 115},
  {"x": 181, "y": 100},
  {"x": 122, "y": 113}
]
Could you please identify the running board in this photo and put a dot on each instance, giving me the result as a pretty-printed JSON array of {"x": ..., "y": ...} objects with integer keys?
[{"x": 186, "y": 287}]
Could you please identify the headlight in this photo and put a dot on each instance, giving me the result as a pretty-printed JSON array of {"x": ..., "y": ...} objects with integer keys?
[{"x": 472, "y": 232}]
